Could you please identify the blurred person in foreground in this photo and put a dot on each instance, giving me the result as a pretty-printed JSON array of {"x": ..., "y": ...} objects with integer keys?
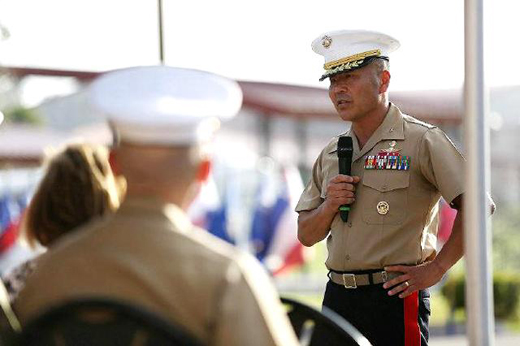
[
  {"x": 383, "y": 259},
  {"x": 78, "y": 186},
  {"x": 148, "y": 253}
]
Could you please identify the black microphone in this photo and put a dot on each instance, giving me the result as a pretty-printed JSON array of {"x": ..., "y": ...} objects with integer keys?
[{"x": 345, "y": 150}]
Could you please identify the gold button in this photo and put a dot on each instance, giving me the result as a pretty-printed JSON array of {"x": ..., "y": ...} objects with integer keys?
[{"x": 383, "y": 207}]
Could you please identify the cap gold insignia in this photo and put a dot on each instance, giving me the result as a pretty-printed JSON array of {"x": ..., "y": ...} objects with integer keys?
[
  {"x": 383, "y": 207},
  {"x": 356, "y": 58},
  {"x": 326, "y": 41}
]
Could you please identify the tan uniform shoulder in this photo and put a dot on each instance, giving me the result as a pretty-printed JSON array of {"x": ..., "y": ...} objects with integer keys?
[
  {"x": 216, "y": 248},
  {"x": 414, "y": 121},
  {"x": 66, "y": 246},
  {"x": 121, "y": 235},
  {"x": 333, "y": 143}
]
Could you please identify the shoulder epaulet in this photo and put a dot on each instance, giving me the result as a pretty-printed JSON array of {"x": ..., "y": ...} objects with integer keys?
[
  {"x": 336, "y": 137},
  {"x": 416, "y": 121}
]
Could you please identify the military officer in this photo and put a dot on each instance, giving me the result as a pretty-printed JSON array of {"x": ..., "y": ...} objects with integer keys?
[
  {"x": 149, "y": 253},
  {"x": 383, "y": 259}
]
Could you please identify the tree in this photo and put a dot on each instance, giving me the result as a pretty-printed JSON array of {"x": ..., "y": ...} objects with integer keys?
[{"x": 21, "y": 115}]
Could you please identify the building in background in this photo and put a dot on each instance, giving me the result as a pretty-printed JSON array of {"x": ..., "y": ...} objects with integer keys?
[{"x": 288, "y": 124}]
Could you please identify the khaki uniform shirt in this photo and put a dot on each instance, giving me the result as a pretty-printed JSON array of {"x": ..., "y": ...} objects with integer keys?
[
  {"x": 151, "y": 255},
  {"x": 407, "y": 232}
]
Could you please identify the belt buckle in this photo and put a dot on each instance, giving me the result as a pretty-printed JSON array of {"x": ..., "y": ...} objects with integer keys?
[
  {"x": 352, "y": 278},
  {"x": 384, "y": 276}
]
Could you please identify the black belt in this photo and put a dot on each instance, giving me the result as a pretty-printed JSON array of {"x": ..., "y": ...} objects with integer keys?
[{"x": 353, "y": 280}]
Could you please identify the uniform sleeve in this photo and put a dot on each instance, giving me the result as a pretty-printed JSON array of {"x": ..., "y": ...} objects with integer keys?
[
  {"x": 250, "y": 309},
  {"x": 311, "y": 196},
  {"x": 442, "y": 164}
]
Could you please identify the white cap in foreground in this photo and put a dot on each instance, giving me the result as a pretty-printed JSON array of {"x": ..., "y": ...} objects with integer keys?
[{"x": 162, "y": 105}]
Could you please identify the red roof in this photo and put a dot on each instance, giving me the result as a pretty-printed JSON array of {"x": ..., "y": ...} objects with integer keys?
[
  {"x": 302, "y": 101},
  {"x": 24, "y": 144}
]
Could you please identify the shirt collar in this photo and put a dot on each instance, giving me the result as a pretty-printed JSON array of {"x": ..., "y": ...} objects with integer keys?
[
  {"x": 138, "y": 205},
  {"x": 392, "y": 128},
  {"x": 393, "y": 125}
]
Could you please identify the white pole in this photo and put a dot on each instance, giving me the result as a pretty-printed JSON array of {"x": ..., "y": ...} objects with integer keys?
[
  {"x": 161, "y": 32},
  {"x": 479, "y": 290}
]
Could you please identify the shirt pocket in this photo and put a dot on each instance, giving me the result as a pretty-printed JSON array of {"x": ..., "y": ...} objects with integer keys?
[{"x": 389, "y": 190}]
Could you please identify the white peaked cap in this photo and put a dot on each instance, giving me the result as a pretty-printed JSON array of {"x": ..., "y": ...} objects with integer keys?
[
  {"x": 162, "y": 105},
  {"x": 346, "y": 50}
]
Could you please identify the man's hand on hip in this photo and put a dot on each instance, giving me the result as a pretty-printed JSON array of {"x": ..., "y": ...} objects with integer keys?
[{"x": 413, "y": 278}]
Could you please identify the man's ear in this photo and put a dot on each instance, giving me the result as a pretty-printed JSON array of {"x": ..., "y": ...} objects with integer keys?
[
  {"x": 112, "y": 160},
  {"x": 385, "y": 81},
  {"x": 203, "y": 171}
]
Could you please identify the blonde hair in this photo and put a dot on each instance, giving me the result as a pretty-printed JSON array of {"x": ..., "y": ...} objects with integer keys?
[{"x": 78, "y": 186}]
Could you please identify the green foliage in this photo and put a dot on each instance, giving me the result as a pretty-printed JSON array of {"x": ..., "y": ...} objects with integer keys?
[
  {"x": 506, "y": 252},
  {"x": 4, "y": 33},
  {"x": 22, "y": 115},
  {"x": 453, "y": 290},
  {"x": 506, "y": 290},
  {"x": 506, "y": 294}
]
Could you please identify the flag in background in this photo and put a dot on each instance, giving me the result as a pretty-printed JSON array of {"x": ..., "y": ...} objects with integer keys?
[
  {"x": 208, "y": 211},
  {"x": 11, "y": 209},
  {"x": 265, "y": 225},
  {"x": 275, "y": 223},
  {"x": 270, "y": 205},
  {"x": 5, "y": 213}
]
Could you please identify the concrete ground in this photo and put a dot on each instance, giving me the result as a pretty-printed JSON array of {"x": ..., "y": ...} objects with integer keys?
[{"x": 461, "y": 340}]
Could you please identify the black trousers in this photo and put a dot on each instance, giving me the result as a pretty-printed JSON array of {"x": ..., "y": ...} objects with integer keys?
[{"x": 382, "y": 319}]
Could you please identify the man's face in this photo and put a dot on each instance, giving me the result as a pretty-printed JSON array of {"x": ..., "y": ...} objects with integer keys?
[{"x": 355, "y": 93}]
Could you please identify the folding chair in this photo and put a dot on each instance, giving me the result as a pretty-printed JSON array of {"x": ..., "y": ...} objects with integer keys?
[
  {"x": 103, "y": 322},
  {"x": 9, "y": 324},
  {"x": 321, "y": 328}
]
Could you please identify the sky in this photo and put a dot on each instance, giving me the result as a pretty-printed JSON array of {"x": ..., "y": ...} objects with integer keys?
[{"x": 266, "y": 40}]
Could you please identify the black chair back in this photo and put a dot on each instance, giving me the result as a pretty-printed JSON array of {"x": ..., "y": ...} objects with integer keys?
[
  {"x": 321, "y": 328},
  {"x": 9, "y": 325},
  {"x": 103, "y": 322}
]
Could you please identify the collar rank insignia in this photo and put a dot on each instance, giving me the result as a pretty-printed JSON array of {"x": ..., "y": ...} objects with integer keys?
[{"x": 388, "y": 159}]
